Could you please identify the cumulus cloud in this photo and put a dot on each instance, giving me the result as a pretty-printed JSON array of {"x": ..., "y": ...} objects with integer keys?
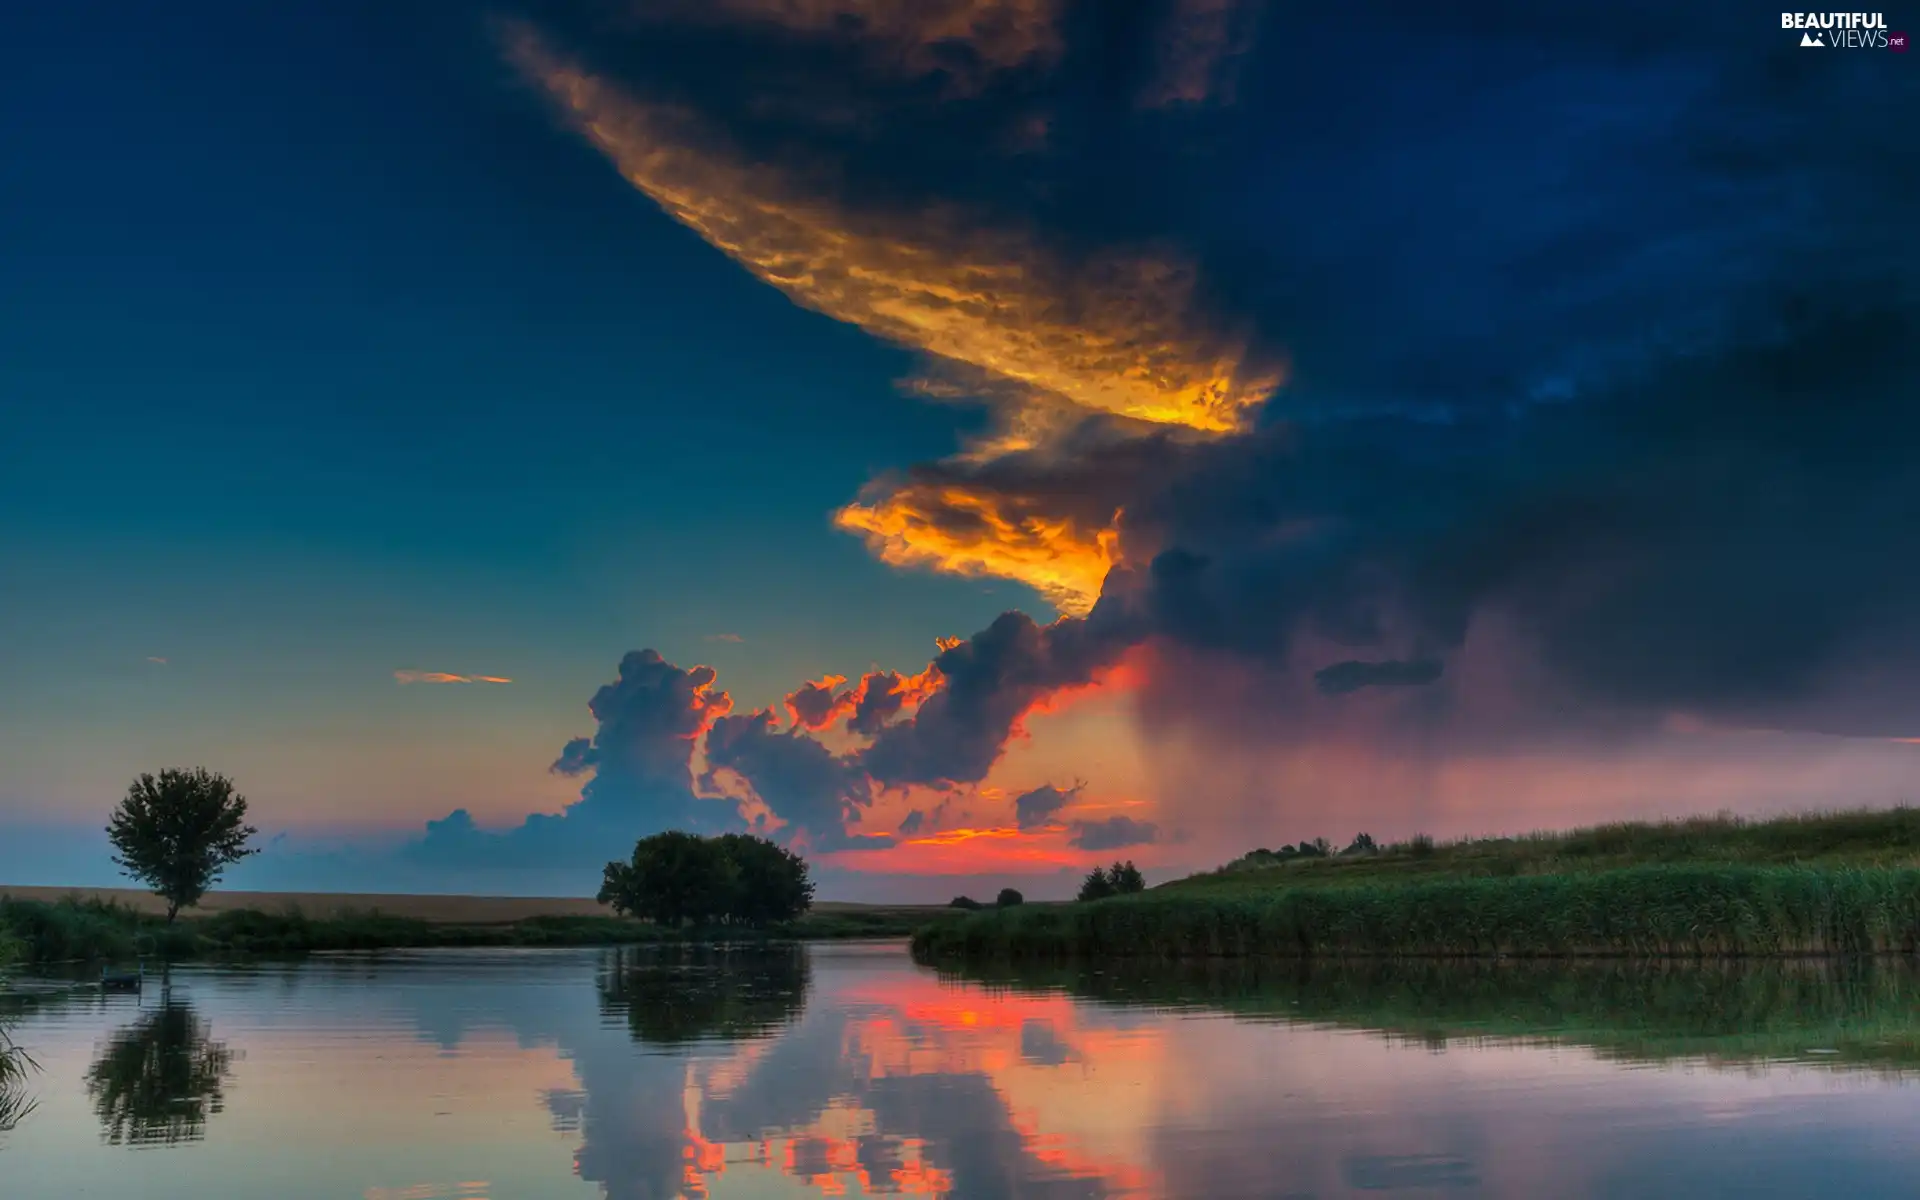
[
  {"x": 443, "y": 677},
  {"x": 988, "y": 683},
  {"x": 808, "y": 788},
  {"x": 816, "y": 705},
  {"x": 883, "y": 695},
  {"x": 1113, "y": 833},
  {"x": 638, "y": 764}
]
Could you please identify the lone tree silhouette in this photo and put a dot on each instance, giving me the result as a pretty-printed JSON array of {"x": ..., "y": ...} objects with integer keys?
[{"x": 178, "y": 832}]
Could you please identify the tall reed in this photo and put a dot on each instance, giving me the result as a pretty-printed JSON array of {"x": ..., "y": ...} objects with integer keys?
[{"x": 1658, "y": 911}]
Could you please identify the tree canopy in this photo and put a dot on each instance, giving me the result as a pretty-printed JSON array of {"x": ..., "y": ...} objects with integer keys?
[
  {"x": 677, "y": 878},
  {"x": 177, "y": 832},
  {"x": 1121, "y": 879}
]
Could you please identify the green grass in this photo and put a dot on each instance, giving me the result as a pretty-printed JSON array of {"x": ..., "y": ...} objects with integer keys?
[
  {"x": 1859, "y": 838},
  {"x": 1862, "y": 1014},
  {"x": 1656, "y": 911},
  {"x": 88, "y": 930},
  {"x": 1823, "y": 883}
]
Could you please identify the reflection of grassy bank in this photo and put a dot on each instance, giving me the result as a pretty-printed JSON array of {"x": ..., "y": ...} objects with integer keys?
[
  {"x": 88, "y": 929},
  {"x": 1865, "y": 1012},
  {"x": 1689, "y": 910},
  {"x": 14, "y": 1062}
]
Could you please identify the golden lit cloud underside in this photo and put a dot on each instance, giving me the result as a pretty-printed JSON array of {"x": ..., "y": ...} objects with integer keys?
[
  {"x": 445, "y": 677},
  {"x": 1058, "y": 558},
  {"x": 1118, "y": 335}
]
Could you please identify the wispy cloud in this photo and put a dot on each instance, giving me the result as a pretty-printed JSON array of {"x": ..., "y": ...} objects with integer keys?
[
  {"x": 445, "y": 677},
  {"x": 155, "y": 658},
  {"x": 725, "y": 637}
]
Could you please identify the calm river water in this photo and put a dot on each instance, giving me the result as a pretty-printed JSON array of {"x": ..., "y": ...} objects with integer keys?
[{"x": 849, "y": 1071}]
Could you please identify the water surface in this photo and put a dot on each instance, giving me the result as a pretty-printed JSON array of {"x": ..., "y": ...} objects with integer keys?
[{"x": 850, "y": 1071}]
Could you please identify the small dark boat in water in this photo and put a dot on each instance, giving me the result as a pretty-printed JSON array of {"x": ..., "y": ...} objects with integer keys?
[{"x": 123, "y": 981}]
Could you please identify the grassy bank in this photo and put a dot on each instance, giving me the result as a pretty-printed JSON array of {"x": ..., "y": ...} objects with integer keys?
[
  {"x": 1656, "y": 911},
  {"x": 1839, "y": 1013},
  {"x": 73, "y": 930},
  {"x": 1825, "y": 883},
  {"x": 1863, "y": 838}
]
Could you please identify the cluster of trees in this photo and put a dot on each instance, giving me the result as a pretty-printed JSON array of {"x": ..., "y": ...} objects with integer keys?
[
  {"x": 1121, "y": 879},
  {"x": 1007, "y": 898},
  {"x": 1362, "y": 843},
  {"x": 679, "y": 878}
]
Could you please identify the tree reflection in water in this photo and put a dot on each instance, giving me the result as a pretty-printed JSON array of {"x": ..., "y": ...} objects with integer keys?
[
  {"x": 158, "y": 1079},
  {"x": 671, "y": 995}
]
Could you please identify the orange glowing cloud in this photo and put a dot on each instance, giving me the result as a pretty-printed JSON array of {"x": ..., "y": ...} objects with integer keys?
[
  {"x": 1121, "y": 334},
  {"x": 815, "y": 705},
  {"x": 986, "y": 851},
  {"x": 976, "y": 534},
  {"x": 405, "y": 677}
]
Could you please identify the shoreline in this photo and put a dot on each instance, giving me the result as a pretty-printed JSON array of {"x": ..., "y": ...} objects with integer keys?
[{"x": 83, "y": 925}]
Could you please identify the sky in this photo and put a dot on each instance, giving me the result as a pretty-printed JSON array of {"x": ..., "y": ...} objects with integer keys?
[{"x": 967, "y": 440}]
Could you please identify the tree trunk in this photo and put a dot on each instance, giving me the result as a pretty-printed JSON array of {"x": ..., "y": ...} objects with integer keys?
[{"x": 173, "y": 910}]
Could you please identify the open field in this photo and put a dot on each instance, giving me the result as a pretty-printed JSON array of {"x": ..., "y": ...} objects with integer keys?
[
  {"x": 438, "y": 910},
  {"x": 1829, "y": 884}
]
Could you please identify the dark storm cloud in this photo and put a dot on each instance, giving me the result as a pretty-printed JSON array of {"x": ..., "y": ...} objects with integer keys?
[
  {"x": 1113, "y": 833},
  {"x": 988, "y": 683},
  {"x": 808, "y": 787},
  {"x": 1588, "y": 328},
  {"x": 1033, "y": 809},
  {"x": 1354, "y": 674}
]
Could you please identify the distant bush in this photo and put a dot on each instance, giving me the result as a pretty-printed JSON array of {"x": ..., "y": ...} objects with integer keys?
[
  {"x": 1361, "y": 844},
  {"x": 1007, "y": 898},
  {"x": 1421, "y": 846},
  {"x": 966, "y": 902}
]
